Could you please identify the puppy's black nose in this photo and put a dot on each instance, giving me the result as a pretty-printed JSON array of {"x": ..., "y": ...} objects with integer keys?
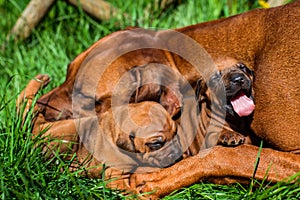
[{"x": 237, "y": 78}]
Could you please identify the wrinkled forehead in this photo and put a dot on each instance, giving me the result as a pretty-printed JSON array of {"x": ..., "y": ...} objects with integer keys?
[
  {"x": 147, "y": 113},
  {"x": 143, "y": 119},
  {"x": 156, "y": 121},
  {"x": 225, "y": 62}
]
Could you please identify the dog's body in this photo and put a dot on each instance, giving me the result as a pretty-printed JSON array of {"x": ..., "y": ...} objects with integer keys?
[{"x": 266, "y": 40}]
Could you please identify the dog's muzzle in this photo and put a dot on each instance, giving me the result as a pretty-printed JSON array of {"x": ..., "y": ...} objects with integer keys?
[{"x": 170, "y": 153}]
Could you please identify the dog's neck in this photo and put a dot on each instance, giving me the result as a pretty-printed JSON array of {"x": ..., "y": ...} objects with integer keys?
[{"x": 239, "y": 46}]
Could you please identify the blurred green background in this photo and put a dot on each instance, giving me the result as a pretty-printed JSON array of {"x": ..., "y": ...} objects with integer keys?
[{"x": 66, "y": 30}]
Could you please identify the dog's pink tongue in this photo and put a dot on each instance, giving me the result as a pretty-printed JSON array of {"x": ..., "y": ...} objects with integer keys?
[{"x": 242, "y": 105}]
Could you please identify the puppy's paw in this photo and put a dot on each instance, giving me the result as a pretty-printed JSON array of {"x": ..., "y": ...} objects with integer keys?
[
  {"x": 38, "y": 83},
  {"x": 230, "y": 138},
  {"x": 33, "y": 87},
  {"x": 31, "y": 90},
  {"x": 43, "y": 78}
]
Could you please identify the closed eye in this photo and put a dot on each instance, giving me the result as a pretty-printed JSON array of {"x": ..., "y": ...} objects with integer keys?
[
  {"x": 155, "y": 145},
  {"x": 245, "y": 69},
  {"x": 214, "y": 79}
]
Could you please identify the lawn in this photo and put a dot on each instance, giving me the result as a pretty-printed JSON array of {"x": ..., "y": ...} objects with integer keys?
[{"x": 25, "y": 173}]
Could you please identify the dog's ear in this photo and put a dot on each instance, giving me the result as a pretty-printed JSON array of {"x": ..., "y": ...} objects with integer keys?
[
  {"x": 127, "y": 88},
  {"x": 171, "y": 99},
  {"x": 136, "y": 73},
  {"x": 148, "y": 92},
  {"x": 200, "y": 89}
]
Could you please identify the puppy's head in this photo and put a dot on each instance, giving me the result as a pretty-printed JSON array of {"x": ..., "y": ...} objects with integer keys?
[
  {"x": 148, "y": 133},
  {"x": 157, "y": 82},
  {"x": 234, "y": 80}
]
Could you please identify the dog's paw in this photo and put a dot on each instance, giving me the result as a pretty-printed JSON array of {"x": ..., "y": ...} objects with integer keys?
[
  {"x": 230, "y": 138},
  {"x": 43, "y": 78},
  {"x": 42, "y": 81},
  {"x": 31, "y": 90},
  {"x": 34, "y": 86},
  {"x": 144, "y": 185}
]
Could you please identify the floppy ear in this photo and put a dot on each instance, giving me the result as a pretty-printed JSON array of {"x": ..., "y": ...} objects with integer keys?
[
  {"x": 200, "y": 89},
  {"x": 148, "y": 92},
  {"x": 171, "y": 100},
  {"x": 136, "y": 73},
  {"x": 125, "y": 91}
]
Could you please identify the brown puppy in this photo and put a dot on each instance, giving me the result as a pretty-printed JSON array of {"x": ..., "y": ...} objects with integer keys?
[
  {"x": 125, "y": 138},
  {"x": 230, "y": 91},
  {"x": 226, "y": 105},
  {"x": 255, "y": 37}
]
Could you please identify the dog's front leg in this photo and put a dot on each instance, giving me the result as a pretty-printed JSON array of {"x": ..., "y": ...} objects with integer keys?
[
  {"x": 219, "y": 162},
  {"x": 63, "y": 130}
]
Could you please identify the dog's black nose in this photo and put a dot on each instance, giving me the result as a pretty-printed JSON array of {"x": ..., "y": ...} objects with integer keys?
[{"x": 237, "y": 78}]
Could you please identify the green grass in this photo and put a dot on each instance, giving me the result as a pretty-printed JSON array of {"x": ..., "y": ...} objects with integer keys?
[{"x": 25, "y": 172}]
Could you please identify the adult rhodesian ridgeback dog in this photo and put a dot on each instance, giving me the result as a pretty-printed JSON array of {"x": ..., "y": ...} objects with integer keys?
[{"x": 266, "y": 40}]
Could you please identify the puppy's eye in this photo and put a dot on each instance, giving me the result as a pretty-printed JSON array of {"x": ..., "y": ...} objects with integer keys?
[
  {"x": 242, "y": 66},
  {"x": 217, "y": 76},
  {"x": 155, "y": 145},
  {"x": 214, "y": 79},
  {"x": 245, "y": 69}
]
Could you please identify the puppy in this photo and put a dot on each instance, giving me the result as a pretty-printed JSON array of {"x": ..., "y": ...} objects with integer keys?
[
  {"x": 226, "y": 106},
  {"x": 125, "y": 138}
]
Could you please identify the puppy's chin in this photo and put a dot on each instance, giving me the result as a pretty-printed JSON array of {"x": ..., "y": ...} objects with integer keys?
[{"x": 162, "y": 160}]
